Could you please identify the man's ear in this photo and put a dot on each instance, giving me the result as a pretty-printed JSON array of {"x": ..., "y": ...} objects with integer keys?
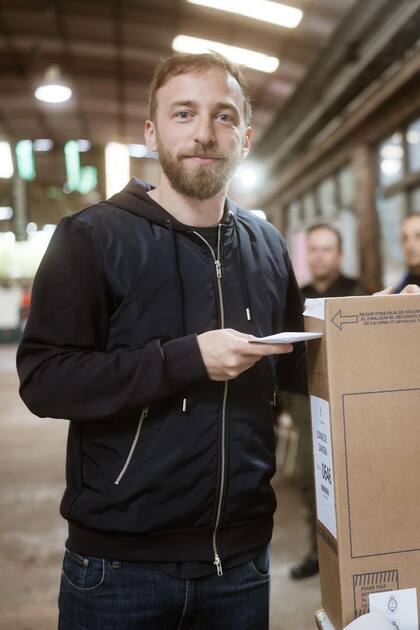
[
  {"x": 150, "y": 135},
  {"x": 247, "y": 142}
]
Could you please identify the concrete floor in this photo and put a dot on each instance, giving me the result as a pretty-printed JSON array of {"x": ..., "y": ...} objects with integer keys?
[{"x": 32, "y": 533}]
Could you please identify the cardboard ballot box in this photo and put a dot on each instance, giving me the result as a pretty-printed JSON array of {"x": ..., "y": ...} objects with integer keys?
[{"x": 364, "y": 380}]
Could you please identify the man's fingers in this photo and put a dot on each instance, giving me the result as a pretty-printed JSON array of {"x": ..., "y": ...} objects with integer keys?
[
  {"x": 411, "y": 288},
  {"x": 265, "y": 349},
  {"x": 259, "y": 349},
  {"x": 387, "y": 291},
  {"x": 242, "y": 335}
]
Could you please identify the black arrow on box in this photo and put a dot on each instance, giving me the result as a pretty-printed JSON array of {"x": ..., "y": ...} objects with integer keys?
[{"x": 339, "y": 319}]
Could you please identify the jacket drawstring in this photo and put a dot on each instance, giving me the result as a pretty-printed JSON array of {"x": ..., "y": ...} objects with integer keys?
[
  {"x": 180, "y": 293},
  {"x": 244, "y": 284}
]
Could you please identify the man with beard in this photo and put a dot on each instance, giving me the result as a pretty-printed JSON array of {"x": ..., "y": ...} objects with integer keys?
[
  {"x": 143, "y": 331},
  {"x": 410, "y": 244},
  {"x": 325, "y": 257}
]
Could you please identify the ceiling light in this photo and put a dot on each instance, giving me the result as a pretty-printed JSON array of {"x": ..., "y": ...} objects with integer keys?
[
  {"x": 117, "y": 167},
  {"x": 53, "y": 89},
  {"x": 25, "y": 160},
  {"x": 392, "y": 151},
  {"x": 137, "y": 150},
  {"x": 8, "y": 237},
  {"x": 6, "y": 212},
  {"x": 31, "y": 227},
  {"x": 49, "y": 227},
  {"x": 243, "y": 56},
  {"x": 272, "y": 12},
  {"x": 43, "y": 144},
  {"x": 396, "y": 137},
  {"x": 250, "y": 175},
  {"x": 84, "y": 145},
  {"x": 390, "y": 167},
  {"x": 413, "y": 136},
  {"x": 6, "y": 161}
]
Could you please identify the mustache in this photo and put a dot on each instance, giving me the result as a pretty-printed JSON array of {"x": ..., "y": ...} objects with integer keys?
[{"x": 202, "y": 154}]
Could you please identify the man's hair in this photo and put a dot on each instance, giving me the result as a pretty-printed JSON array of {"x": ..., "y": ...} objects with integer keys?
[
  {"x": 331, "y": 228},
  {"x": 178, "y": 64},
  {"x": 410, "y": 215}
]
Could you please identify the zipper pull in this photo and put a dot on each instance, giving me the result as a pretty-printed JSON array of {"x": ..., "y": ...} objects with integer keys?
[
  {"x": 218, "y": 564},
  {"x": 144, "y": 413},
  {"x": 218, "y": 268}
]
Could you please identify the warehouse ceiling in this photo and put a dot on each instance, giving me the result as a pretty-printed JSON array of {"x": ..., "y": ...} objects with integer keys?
[{"x": 107, "y": 51}]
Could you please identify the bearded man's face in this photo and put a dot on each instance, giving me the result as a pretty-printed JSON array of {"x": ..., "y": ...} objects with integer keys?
[{"x": 200, "y": 132}]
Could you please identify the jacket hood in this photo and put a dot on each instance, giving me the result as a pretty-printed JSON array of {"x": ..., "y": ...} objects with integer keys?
[{"x": 134, "y": 199}]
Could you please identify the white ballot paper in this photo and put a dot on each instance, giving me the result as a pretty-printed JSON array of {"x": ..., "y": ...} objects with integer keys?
[
  {"x": 315, "y": 307},
  {"x": 288, "y": 337},
  {"x": 399, "y": 607},
  {"x": 371, "y": 621}
]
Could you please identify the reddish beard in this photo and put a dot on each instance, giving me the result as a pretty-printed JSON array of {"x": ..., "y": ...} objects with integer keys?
[{"x": 200, "y": 181}]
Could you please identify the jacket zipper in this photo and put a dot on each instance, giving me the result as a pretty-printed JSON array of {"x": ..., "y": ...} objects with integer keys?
[
  {"x": 143, "y": 416},
  {"x": 218, "y": 266}
]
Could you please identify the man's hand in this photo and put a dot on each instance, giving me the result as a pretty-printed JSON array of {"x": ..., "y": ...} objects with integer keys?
[
  {"x": 227, "y": 353},
  {"x": 410, "y": 288}
]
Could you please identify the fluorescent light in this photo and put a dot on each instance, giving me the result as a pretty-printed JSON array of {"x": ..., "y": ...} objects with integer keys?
[
  {"x": 392, "y": 152},
  {"x": 6, "y": 162},
  {"x": 272, "y": 12},
  {"x": 117, "y": 167},
  {"x": 413, "y": 136},
  {"x": 53, "y": 93},
  {"x": 249, "y": 175},
  {"x": 49, "y": 227},
  {"x": 243, "y": 56},
  {"x": 25, "y": 160},
  {"x": 84, "y": 145},
  {"x": 8, "y": 237},
  {"x": 31, "y": 228},
  {"x": 390, "y": 167},
  {"x": 53, "y": 89},
  {"x": 6, "y": 212},
  {"x": 137, "y": 150},
  {"x": 43, "y": 144}
]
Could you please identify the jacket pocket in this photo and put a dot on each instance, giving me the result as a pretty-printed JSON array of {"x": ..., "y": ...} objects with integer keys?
[{"x": 142, "y": 418}]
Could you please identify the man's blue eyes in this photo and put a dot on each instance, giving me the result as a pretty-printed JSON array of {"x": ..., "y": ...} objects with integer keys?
[{"x": 185, "y": 115}]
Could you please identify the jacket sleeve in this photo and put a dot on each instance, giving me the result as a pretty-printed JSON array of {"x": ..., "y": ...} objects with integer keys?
[
  {"x": 291, "y": 368},
  {"x": 63, "y": 366}
]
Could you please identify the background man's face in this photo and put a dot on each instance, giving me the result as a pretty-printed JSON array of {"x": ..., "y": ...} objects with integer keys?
[
  {"x": 199, "y": 131},
  {"x": 410, "y": 242},
  {"x": 324, "y": 256}
]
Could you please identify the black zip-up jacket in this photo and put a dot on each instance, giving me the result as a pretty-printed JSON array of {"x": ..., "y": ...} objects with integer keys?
[{"x": 163, "y": 464}]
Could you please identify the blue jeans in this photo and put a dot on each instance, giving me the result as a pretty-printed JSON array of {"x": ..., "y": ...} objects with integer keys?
[{"x": 101, "y": 594}]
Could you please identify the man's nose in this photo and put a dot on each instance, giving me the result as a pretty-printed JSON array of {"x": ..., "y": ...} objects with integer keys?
[{"x": 204, "y": 132}]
